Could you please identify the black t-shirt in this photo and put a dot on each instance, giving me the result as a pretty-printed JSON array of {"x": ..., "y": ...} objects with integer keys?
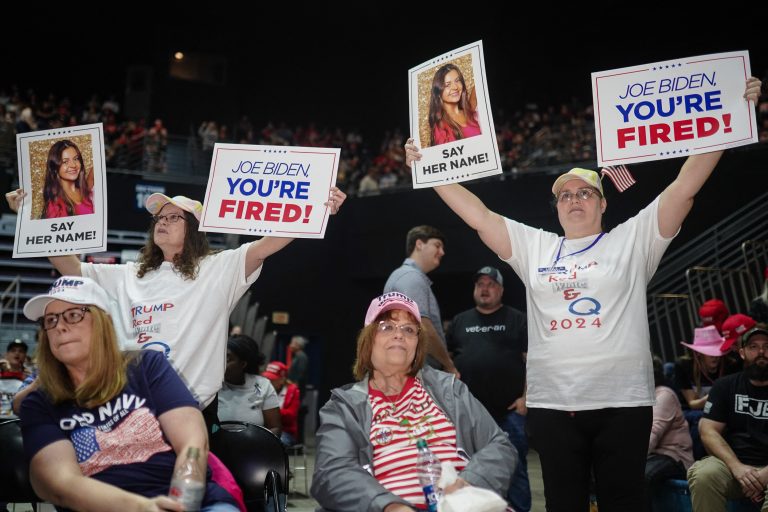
[
  {"x": 743, "y": 408},
  {"x": 488, "y": 353}
]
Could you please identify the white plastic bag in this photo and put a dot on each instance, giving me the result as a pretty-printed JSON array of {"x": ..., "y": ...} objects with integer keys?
[{"x": 467, "y": 499}]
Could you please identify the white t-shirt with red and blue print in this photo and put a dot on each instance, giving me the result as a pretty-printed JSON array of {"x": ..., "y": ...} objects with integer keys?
[{"x": 588, "y": 335}]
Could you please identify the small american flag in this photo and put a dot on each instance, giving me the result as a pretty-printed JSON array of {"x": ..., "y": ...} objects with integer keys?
[{"x": 620, "y": 176}]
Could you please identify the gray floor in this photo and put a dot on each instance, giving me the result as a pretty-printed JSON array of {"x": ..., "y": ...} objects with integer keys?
[{"x": 298, "y": 502}]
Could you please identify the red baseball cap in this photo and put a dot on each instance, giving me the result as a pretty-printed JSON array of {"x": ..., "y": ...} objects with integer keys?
[
  {"x": 275, "y": 370},
  {"x": 734, "y": 327},
  {"x": 713, "y": 312}
]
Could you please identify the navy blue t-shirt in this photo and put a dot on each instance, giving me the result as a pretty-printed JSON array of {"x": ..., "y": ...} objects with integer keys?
[{"x": 119, "y": 443}]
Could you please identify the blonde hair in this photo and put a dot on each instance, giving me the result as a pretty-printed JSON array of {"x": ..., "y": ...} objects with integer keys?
[
  {"x": 363, "y": 365},
  {"x": 106, "y": 375}
]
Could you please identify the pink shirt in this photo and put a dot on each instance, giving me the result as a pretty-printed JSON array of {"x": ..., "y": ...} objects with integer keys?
[
  {"x": 669, "y": 432},
  {"x": 443, "y": 133},
  {"x": 58, "y": 208}
]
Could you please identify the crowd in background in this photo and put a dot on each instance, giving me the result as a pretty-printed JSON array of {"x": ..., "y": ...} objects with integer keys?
[{"x": 533, "y": 136}]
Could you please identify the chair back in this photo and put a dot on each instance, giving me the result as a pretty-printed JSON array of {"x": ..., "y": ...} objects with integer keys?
[
  {"x": 256, "y": 458},
  {"x": 14, "y": 468}
]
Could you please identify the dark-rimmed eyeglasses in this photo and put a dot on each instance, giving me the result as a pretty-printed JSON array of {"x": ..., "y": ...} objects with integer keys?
[
  {"x": 582, "y": 193},
  {"x": 171, "y": 218},
  {"x": 71, "y": 316},
  {"x": 389, "y": 328}
]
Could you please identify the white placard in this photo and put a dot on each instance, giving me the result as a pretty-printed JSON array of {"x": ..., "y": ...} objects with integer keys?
[
  {"x": 451, "y": 120},
  {"x": 675, "y": 108},
  {"x": 269, "y": 190},
  {"x": 64, "y": 175}
]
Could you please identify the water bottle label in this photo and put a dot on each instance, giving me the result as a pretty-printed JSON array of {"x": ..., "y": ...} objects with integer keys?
[
  {"x": 431, "y": 496},
  {"x": 189, "y": 494}
]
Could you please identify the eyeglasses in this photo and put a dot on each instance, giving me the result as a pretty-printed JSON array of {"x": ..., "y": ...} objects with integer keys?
[
  {"x": 407, "y": 330},
  {"x": 171, "y": 218},
  {"x": 583, "y": 194},
  {"x": 71, "y": 316}
]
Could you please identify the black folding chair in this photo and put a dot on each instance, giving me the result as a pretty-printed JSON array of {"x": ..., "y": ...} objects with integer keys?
[
  {"x": 257, "y": 460},
  {"x": 15, "y": 486}
]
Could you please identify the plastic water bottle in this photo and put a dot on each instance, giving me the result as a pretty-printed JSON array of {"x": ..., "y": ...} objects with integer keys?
[
  {"x": 428, "y": 468},
  {"x": 188, "y": 483}
]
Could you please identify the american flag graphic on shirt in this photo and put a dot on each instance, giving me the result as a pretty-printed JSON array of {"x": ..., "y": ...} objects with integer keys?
[
  {"x": 135, "y": 439},
  {"x": 397, "y": 424}
]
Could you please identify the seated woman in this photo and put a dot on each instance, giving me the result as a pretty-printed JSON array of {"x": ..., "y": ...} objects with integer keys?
[
  {"x": 670, "y": 448},
  {"x": 246, "y": 395},
  {"x": 104, "y": 428},
  {"x": 366, "y": 443},
  {"x": 694, "y": 376},
  {"x": 288, "y": 397}
]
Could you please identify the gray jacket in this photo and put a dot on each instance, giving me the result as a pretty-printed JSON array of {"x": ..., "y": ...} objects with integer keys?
[{"x": 343, "y": 478}]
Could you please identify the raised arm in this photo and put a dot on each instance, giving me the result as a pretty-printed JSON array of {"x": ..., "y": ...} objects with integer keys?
[
  {"x": 677, "y": 198},
  {"x": 488, "y": 224},
  {"x": 267, "y": 246},
  {"x": 56, "y": 477},
  {"x": 66, "y": 265}
]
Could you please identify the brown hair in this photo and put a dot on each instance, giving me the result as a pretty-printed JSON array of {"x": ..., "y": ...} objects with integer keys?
[
  {"x": 422, "y": 233},
  {"x": 106, "y": 367},
  {"x": 53, "y": 192},
  {"x": 437, "y": 115},
  {"x": 363, "y": 365},
  {"x": 187, "y": 262},
  {"x": 698, "y": 369}
]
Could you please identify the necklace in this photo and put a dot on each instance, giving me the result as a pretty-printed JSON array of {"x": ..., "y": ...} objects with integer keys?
[{"x": 392, "y": 402}]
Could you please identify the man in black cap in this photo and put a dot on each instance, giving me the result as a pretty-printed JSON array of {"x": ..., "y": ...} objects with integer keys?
[
  {"x": 489, "y": 343},
  {"x": 734, "y": 431}
]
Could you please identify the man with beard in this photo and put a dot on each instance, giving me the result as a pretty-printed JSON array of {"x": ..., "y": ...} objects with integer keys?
[
  {"x": 489, "y": 343},
  {"x": 734, "y": 430}
]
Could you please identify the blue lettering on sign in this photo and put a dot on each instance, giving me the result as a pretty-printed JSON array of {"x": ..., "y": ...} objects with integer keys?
[
  {"x": 165, "y": 349},
  {"x": 594, "y": 310}
]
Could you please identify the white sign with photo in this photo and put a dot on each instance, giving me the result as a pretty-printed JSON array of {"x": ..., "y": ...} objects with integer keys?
[
  {"x": 65, "y": 209},
  {"x": 451, "y": 120}
]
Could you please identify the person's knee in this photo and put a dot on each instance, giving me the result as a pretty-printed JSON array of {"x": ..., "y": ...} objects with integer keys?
[{"x": 705, "y": 472}]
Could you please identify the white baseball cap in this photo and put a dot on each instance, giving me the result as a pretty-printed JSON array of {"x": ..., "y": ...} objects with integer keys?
[{"x": 74, "y": 289}]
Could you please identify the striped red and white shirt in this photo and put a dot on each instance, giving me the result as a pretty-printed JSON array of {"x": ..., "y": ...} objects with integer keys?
[{"x": 398, "y": 422}]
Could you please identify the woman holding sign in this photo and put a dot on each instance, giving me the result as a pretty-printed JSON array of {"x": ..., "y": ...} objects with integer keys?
[
  {"x": 452, "y": 114},
  {"x": 178, "y": 296},
  {"x": 68, "y": 188},
  {"x": 590, "y": 377}
]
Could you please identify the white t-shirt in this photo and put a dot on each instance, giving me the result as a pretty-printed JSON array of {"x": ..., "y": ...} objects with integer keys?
[
  {"x": 588, "y": 335},
  {"x": 187, "y": 319},
  {"x": 246, "y": 402}
]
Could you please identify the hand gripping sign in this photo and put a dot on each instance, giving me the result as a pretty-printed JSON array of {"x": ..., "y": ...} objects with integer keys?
[
  {"x": 670, "y": 109},
  {"x": 451, "y": 119},
  {"x": 65, "y": 209},
  {"x": 269, "y": 190}
]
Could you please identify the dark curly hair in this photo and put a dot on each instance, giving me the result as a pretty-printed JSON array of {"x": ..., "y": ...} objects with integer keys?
[{"x": 187, "y": 262}]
